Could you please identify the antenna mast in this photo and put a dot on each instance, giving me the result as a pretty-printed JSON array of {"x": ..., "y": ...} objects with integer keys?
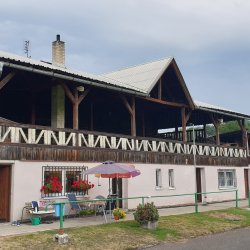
[{"x": 26, "y": 46}]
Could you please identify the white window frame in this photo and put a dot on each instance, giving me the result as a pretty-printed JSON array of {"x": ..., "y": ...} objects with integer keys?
[
  {"x": 63, "y": 171},
  {"x": 171, "y": 179},
  {"x": 158, "y": 178},
  {"x": 226, "y": 182}
]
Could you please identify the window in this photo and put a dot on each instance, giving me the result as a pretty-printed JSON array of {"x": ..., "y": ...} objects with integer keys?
[
  {"x": 66, "y": 175},
  {"x": 227, "y": 178},
  {"x": 171, "y": 178},
  {"x": 158, "y": 178}
]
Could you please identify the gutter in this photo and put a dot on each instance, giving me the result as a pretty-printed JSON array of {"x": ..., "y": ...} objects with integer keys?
[
  {"x": 69, "y": 78},
  {"x": 222, "y": 113}
]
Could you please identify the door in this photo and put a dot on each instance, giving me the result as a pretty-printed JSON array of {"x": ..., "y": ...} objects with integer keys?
[
  {"x": 246, "y": 182},
  {"x": 198, "y": 184},
  {"x": 4, "y": 193},
  {"x": 117, "y": 189}
]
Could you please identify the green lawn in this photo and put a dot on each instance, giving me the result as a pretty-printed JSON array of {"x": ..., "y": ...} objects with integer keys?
[{"x": 128, "y": 235}]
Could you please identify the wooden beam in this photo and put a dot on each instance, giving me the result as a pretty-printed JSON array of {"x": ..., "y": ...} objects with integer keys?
[
  {"x": 143, "y": 124},
  {"x": 75, "y": 110},
  {"x": 183, "y": 84},
  {"x": 184, "y": 124},
  {"x": 133, "y": 121},
  {"x": 82, "y": 96},
  {"x": 131, "y": 110},
  {"x": 91, "y": 117},
  {"x": 160, "y": 90},
  {"x": 33, "y": 109},
  {"x": 243, "y": 129},
  {"x": 164, "y": 102},
  {"x": 126, "y": 104},
  {"x": 68, "y": 93},
  {"x": 7, "y": 78},
  {"x": 184, "y": 120},
  {"x": 205, "y": 130},
  {"x": 216, "y": 125}
]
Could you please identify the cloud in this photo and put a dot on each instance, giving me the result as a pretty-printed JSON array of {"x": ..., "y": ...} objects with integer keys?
[{"x": 209, "y": 38}]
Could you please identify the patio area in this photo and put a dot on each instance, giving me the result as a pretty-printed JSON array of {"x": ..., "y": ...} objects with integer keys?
[{"x": 6, "y": 229}]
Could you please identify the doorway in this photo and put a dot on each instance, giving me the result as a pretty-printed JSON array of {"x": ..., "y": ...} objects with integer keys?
[
  {"x": 246, "y": 182},
  {"x": 4, "y": 193},
  {"x": 117, "y": 189},
  {"x": 198, "y": 184}
]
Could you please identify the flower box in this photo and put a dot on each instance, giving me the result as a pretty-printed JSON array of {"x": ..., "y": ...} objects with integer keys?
[{"x": 149, "y": 225}]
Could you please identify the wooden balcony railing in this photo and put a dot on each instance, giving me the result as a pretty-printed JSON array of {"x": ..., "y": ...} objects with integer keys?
[{"x": 28, "y": 134}]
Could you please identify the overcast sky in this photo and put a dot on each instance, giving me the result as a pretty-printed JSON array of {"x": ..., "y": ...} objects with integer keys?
[{"x": 210, "y": 39}]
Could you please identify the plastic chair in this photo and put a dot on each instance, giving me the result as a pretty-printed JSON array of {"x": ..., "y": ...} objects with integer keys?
[
  {"x": 75, "y": 206},
  {"x": 101, "y": 208},
  {"x": 112, "y": 205}
]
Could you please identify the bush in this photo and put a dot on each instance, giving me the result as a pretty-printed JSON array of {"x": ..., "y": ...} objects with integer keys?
[
  {"x": 85, "y": 212},
  {"x": 148, "y": 212}
]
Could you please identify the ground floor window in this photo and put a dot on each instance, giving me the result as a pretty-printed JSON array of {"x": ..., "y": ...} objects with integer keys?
[
  {"x": 227, "y": 178},
  {"x": 158, "y": 178},
  {"x": 66, "y": 176},
  {"x": 171, "y": 178}
]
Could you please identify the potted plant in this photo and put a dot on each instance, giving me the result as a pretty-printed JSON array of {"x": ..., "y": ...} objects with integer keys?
[
  {"x": 52, "y": 186},
  {"x": 82, "y": 185},
  {"x": 119, "y": 214},
  {"x": 147, "y": 216}
]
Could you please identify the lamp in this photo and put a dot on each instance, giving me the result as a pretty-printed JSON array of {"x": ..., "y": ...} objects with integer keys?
[{"x": 80, "y": 88}]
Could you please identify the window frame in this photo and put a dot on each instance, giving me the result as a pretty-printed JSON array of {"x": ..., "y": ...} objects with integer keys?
[
  {"x": 158, "y": 183},
  {"x": 171, "y": 179},
  {"x": 61, "y": 171},
  {"x": 226, "y": 180}
]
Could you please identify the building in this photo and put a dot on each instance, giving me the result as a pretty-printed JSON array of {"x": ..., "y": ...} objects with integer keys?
[{"x": 57, "y": 121}]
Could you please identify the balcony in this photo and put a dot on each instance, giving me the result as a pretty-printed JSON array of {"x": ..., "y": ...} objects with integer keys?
[{"x": 29, "y": 142}]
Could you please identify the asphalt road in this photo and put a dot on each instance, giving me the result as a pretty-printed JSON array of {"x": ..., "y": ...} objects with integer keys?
[{"x": 231, "y": 240}]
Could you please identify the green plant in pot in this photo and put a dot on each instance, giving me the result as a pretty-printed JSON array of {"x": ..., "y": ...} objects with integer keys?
[{"x": 147, "y": 215}]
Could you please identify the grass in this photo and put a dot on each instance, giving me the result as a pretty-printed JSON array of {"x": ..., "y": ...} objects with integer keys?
[{"x": 128, "y": 234}]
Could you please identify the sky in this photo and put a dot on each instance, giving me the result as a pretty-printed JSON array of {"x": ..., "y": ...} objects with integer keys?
[{"x": 210, "y": 39}]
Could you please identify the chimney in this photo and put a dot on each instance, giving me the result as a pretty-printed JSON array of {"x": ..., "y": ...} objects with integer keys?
[
  {"x": 57, "y": 92},
  {"x": 58, "y": 52}
]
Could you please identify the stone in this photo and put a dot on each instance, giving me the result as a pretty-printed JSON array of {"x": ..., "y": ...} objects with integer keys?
[{"x": 61, "y": 239}]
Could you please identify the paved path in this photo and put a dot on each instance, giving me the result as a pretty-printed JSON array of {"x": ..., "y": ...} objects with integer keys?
[
  {"x": 231, "y": 240},
  {"x": 6, "y": 229}
]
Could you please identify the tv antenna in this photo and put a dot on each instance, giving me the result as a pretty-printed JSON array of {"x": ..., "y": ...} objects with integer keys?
[{"x": 26, "y": 47}]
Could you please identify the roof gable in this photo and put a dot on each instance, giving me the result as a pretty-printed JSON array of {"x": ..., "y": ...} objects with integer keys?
[{"x": 143, "y": 76}]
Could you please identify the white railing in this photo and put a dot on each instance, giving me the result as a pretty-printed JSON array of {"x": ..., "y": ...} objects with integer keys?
[{"x": 86, "y": 139}]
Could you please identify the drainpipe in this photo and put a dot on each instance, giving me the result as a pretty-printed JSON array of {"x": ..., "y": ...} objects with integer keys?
[{"x": 1, "y": 68}]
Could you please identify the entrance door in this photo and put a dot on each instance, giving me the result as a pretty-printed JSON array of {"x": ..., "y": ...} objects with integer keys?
[
  {"x": 117, "y": 189},
  {"x": 198, "y": 184},
  {"x": 4, "y": 193},
  {"x": 246, "y": 182}
]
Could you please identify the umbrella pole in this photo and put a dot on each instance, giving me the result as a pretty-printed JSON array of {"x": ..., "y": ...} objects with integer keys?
[{"x": 109, "y": 202}]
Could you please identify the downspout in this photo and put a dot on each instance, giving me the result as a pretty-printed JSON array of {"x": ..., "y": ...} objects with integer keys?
[
  {"x": 1, "y": 68},
  {"x": 69, "y": 78}
]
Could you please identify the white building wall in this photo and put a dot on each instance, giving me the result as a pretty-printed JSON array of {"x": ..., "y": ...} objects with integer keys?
[{"x": 27, "y": 182}]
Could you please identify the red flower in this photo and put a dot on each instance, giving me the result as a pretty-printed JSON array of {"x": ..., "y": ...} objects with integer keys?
[
  {"x": 92, "y": 185},
  {"x": 45, "y": 192}
]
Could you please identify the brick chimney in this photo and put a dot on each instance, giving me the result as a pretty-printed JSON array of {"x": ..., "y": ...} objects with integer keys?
[
  {"x": 57, "y": 92},
  {"x": 58, "y": 52}
]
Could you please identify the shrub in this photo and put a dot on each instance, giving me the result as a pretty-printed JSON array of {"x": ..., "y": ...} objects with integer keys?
[{"x": 148, "y": 212}]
